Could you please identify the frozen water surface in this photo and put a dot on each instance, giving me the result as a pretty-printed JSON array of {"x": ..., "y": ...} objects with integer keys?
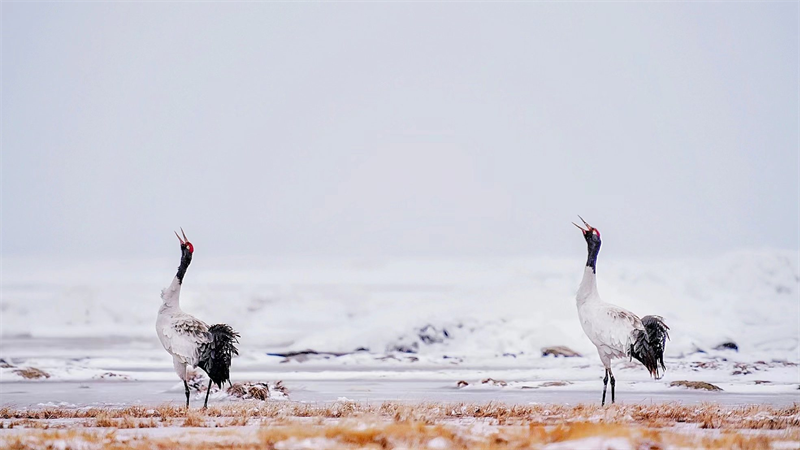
[{"x": 99, "y": 393}]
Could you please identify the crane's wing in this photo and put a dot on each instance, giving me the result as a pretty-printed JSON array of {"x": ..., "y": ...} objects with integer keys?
[
  {"x": 185, "y": 336},
  {"x": 613, "y": 326}
]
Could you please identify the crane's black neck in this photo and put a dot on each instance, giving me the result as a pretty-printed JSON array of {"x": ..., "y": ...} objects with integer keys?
[
  {"x": 186, "y": 259},
  {"x": 594, "y": 249}
]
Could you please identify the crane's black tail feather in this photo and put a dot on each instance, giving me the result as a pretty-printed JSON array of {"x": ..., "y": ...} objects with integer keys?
[
  {"x": 648, "y": 345},
  {"x": 216, "y": 355}
]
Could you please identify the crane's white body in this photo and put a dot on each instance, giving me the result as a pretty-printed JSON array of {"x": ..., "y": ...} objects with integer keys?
[
  {"x": 181, "y": 334},
  {"x": 609, "y": 327}
]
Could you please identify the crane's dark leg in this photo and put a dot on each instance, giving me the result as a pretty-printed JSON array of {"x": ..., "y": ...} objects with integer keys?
[
  {"x": 186, "y": 388},
  {"x": 605, "y": 385},
  {"x": 208, "y": 391},
  {"x": 613, "y": 383}
]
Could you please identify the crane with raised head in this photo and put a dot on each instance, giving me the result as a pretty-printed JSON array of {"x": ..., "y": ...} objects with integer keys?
[
  {"x": 189, "y": 340},
  {"x": 616, "y": 332}
]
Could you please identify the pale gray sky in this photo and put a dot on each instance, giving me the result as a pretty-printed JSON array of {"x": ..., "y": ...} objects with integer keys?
[{"x": 444, "y": 129}]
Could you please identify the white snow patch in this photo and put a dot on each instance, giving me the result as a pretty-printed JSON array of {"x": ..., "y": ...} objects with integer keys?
[
  {"x": 306, "y": 444},
  {"x": 439, "y": 443},
  {"x": 594, "y": 443}
]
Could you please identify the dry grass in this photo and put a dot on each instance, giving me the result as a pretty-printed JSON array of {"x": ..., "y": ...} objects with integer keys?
[
  {"x": 494, "y": 426},
  {"x": 104, "y": 420},
  {"x": 31, "y": 373},
  {"x": 374, "y": 432},
  {"x": 702, "y": 385},
  {"x": 650, "y": 415},
  {"x": 250, "y": 390},
  {"x": 194, "y": 418}
]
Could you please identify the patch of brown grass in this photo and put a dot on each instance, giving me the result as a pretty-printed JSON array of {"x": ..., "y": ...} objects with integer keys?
[
  {"x": 147, "y": 423},
  {"x": 104, "y": 420},
  {"x": 376, "y": 433},
  {"x": 649, "y": 415},
  {"x": 194, "y": 418},
  {"x": 701, "y": 385},
  {"x": 256, "y": 391},
  {"x": 31, "y": 373}
]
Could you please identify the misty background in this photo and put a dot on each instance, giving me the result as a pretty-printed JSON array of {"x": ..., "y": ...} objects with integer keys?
[{"x": 398, "y": 129}]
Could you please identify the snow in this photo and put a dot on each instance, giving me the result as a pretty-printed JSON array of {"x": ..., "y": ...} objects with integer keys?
[
  {"x": 438, "y": 443},
  {"x": 487, "y": 306},
  {"x": 596, "y": 442},
  {"x": 426, "y": 319},
  {"x": 306, "y": 444}
]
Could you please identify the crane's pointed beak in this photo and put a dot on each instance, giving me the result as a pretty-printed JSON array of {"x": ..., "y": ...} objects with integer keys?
[
  {"x": 184, "y": 235},
  {"x": 584, "y": 222},
  {"x": 179, "y": 238},
  {"x": 580, "y": 227}
]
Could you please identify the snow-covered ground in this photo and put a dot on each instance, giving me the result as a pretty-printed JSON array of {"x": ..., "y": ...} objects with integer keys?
[{"x": 440, "y": 321}]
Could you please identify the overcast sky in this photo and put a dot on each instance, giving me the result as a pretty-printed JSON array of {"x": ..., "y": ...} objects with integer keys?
[{"x": 398, "y": 129}]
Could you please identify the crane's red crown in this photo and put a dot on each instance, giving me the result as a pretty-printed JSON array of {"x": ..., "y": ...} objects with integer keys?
[
  {"x": 185, "y": 241},
  {"x": 588, "y": 229}
]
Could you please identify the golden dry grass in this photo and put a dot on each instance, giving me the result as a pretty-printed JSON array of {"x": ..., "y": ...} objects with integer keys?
[
  {"x": 371, "y": 433},
  {"x": 194, "y": 418},
  {"x": 706, "y": 415},
  {"x": 702, "y": 385},
  {"x": 389, "y": 425},
  {"x": 31, "y": 373}
]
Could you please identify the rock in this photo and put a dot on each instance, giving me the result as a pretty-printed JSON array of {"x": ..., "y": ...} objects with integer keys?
[
  {"x": 305, "y": 355},
  {"x": 494, "y": 382},
  {"x": 560, "y": 350},
  {"x": 548, "y": 384},
  {"x": 743, "y": 369},
  {"x": 426, "y": 335},
  {"x": 429, "y": 334},
  {"x": 784, "y": 362},
  {"x": 107, "y": 375},
  {"x": 279, "y": 387},
  {"x": 707, "y": 365},
  {"x": 554, "y": 383},
  {"x": 461, "y": 384},
  {"x": 702, "y": 385},
  {"x": 404, "y": 348},
  {"x": 728, "y": 345}
]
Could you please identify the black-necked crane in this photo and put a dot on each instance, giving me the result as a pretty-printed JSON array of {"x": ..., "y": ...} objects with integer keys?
[
  {"x": 189, "y": 340},
  {"x": 616, "y": 332}
]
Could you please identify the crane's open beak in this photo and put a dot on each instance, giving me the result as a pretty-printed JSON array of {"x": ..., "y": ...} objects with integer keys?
[
  {"x": 585, "y": 230},
  {"x": 184, "y": 240}
]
